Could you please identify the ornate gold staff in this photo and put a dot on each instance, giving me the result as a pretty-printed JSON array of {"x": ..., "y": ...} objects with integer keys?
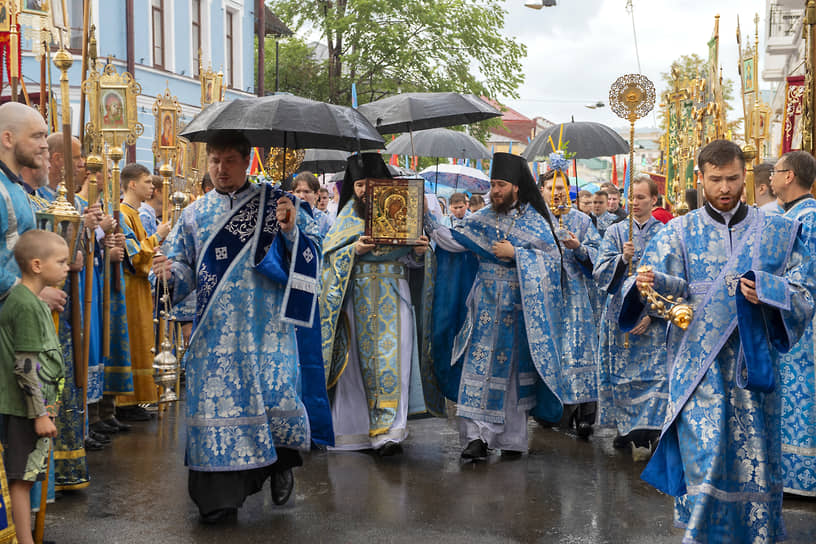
[
  {"x": 113, "y": 121},
  {"x": 166, "y": 148},
  {"x": 675, "y": 310},
  {"x": 631, "y": 97}
]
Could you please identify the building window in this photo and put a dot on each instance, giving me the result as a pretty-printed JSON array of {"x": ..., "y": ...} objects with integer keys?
[
  {"x": 230, "y": 75},
  {"x": 196, "y": 21},
  {"x": 157, "y": 22}
]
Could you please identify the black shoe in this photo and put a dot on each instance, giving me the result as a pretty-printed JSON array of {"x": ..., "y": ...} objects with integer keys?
[
  {"x": 583, "y": 430},
  {"x": 132, "y": 413},
  {"x": 283, "y": 481},
  {"x": 93, "y": 445},
  {"x": 476, "y": 449},
  {"x": 103, "y": 428},
  {"x": 621, "y": 442},
  {"x": 222, "y": 515},
  {"x": 389, "y": 449},
  {"x": 510, "y": 454},
  {"x": 122, "y": 427},
  {"x": 99, "y": 437}
]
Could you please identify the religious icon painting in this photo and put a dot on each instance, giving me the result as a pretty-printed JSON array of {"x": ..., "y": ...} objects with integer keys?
[
  {"x": 181, "y": 157},
  {"x": 748, "y": 75},
  {"x": 113, "y": 110},
  {"x": 35, "y": 7},
  {"x": 166, "y": 129},
  {"x": 5, "y": 16},
  {"x": 395, "y": 210}
]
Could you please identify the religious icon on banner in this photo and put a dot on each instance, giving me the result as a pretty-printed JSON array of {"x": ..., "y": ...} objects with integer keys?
[
  {"x": 395, "y": 210},
  {"x": 35, "y": 7},
  {"x": 749, "y": 79},
  {"x": 112, "y": 109},
  {"x": 181, "y": 157},
  {"x": 168, "y": 128},
  {"x": 5, "y": 16}
]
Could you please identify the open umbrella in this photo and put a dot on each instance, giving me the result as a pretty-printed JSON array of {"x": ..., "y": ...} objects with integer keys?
[
  {"x": 322, "y": 161},
  {"x": 407, "y": 112},
  {"x": 287, "y": 121},
  {"x": 585, "y": 139},
  {"x": 457, "y": 176},
  {"x": 439, "y": 142}
]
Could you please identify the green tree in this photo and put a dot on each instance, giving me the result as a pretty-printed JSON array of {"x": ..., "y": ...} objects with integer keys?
[
  {"x": 298, "y": 71},
  {"x": 391, "y": 46}
]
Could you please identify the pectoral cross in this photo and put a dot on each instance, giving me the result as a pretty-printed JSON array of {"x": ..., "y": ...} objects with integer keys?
[{"x": 732, "y": 281}]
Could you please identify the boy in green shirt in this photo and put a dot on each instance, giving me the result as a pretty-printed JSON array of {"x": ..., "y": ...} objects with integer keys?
[{"x": 31, "y": 370}]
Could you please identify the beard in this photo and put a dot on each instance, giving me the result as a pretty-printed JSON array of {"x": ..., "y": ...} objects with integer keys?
[
  {"x": 502, "y": 205},
  {"x": 29, "y": 161},
  {"x": 360, "y": 207}
]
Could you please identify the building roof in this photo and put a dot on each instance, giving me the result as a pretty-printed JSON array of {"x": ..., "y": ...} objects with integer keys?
[
  {"x": 274, "y": 26},
  {"x": 517, "y": 126}
]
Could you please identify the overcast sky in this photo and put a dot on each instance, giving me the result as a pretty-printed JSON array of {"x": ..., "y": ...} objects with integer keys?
[{"x": 577, "y": 49}]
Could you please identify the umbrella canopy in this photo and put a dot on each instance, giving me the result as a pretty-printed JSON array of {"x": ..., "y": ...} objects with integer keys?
[
  {"x": 287, "y": 121},
  {"x": 419, "y": 111},
  {"x": 322, "y": 161},
  {"x": 585, "y": 139},
  {"x": 439, "y": 142},
  {"x": 459, "y": 177}
]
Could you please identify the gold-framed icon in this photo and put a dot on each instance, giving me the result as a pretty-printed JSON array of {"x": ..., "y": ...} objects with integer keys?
[
  {"x": 166, "y": 111},
  {"x": 394, "y": 211},
  {"x": 212, "y": 84},
  {"x": 112, "y": 100}
]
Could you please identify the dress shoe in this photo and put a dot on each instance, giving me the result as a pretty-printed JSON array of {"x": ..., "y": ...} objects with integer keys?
[
  {"x": 222, "y": 515},
  {"x": 122, "y": 427},
  {"x": 583, "y": 430},
  {"x": 283, "y": 481},
  {"x": 132, "y": 413},
  {"x": 621, "y": 442},
  {"x": 476, "y": 449},
  {"x": 510, "y": 455},
  {"x": 93, "y": 445},
  {"x": 103, "y": 428},
  {"x": 641, "y": 453},
  {"x": 101, "y": 438},
  {"x": 389, "y": 449}
]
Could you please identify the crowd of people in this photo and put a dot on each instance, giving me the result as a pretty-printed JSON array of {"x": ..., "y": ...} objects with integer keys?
[{"x": 301, "y": 332}]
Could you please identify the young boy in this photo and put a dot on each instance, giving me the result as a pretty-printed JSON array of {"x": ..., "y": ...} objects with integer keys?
[
  {"x": 137, "y": 184},
  {"x": 458, "y": 208},
  {"x": 31, "y": 370}
]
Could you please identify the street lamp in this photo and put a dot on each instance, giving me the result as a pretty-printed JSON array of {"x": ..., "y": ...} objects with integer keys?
[{"x": 540, "y": 4}]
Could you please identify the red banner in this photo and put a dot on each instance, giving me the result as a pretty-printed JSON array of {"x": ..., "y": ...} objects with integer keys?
[{"x": 792, "y": 125}]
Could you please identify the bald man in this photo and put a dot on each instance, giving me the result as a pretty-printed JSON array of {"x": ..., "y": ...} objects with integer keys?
[
  {"x": 56, "y": 150},
  {"x": 22, "y": 144}
]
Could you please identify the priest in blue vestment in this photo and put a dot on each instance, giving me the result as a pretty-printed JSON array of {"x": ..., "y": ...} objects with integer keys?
[
  {"x": 369, "y": 329},
  {"x": 750, "y": 280},
  {"x": 253, "y": 259},
  {"x": 633, "y": 383},
  {"x": 791, "y": 179},
  {"x": 503, "y": 360},
  {"x": 579, "y": 242}
]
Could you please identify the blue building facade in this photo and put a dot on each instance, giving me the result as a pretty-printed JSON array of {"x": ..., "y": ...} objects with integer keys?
[{"x": 168, "y": 35}]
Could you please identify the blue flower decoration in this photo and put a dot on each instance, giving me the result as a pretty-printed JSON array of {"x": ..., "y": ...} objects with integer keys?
[{"x": 559, "y": 162}]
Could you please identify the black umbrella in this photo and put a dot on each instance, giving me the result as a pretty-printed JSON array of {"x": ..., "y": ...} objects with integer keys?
[
  {"x": 419, "y": 111},
  {"x": 439, "y": 142},
  {"x": 586, "y": 140},
  {"x": 321, "y": 161},
  {"x": 287, "y": 121}
]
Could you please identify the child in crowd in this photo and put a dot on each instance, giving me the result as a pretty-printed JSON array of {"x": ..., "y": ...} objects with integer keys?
[
  {"x": 458, "y": 208},
  {"x": 31, "y": 370}
]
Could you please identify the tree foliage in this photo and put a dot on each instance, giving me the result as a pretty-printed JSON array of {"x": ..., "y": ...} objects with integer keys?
[{"x": 391, "y": 46}]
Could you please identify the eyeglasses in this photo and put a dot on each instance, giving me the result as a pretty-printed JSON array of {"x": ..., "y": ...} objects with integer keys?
[{"x": 775, "y": 170}]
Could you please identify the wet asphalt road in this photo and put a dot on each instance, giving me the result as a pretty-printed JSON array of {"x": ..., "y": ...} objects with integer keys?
[{"x": 565, "y": 491}]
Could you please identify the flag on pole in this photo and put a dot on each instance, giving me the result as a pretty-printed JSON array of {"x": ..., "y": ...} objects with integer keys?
[
  {"x": 254, "y": 163},
  {"x": 614, "y": 171},
  {"x": 354, "y": 95}
]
